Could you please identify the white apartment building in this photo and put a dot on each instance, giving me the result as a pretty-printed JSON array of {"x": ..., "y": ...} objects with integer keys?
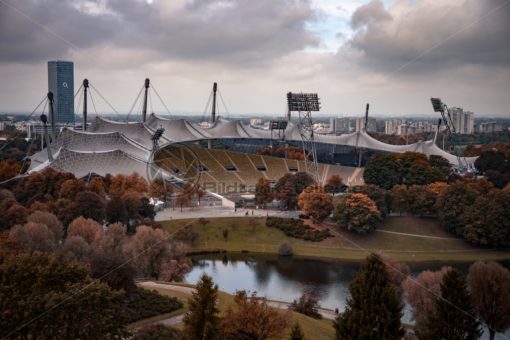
[
  {"x": 490, "y": 127},
  {"x": 462, "y": 121},
  {"x": 340, "y": 125}
]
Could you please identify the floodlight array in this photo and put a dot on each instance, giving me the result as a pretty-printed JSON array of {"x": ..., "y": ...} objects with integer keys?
[{"x": 303, "y": 102}]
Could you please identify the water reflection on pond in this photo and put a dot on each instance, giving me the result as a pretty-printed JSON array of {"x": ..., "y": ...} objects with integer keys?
[{"x": 285, "y": 278}]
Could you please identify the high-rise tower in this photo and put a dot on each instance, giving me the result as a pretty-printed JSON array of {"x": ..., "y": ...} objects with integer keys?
[{"x": 61, "y": 83}]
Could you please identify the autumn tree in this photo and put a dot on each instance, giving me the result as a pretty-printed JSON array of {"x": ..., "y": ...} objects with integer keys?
[
  {"x": 65, "y": 210},
  {"x": 289, "y": 186},
  {"x": 202, "y": 319},
  {"x": 373, "y": 311},
  {"x": 357, "y": 212},
  {"x": 421, "y": 200},
  {"x": 155, "y": 255},
  {"x": 442, "y": 164},
  {"x": 96, "y": 184},
  {"x": 490, "y": 291},
  {"x": 160, "y": 189},
  {"x": 454, "y": 316},
  {"x": 253, "y": 319},
  {"x": 75, "y": 248},
  {"x": 487, "y": 221},
  {"x": 307, "y": 304},
  {"x": 421, "y": 293},
  {"x": 316, "y": 202},
  {"x": 400, "y": 199},
  {"x": 70, "y": 188},
  {"x": 9, "y": 168},
  {"x": 113, "y": 269},
  {"x": 334, "y": 184},
  {"x": 437, "y": 187},
  {"x": 12, "y": 213},
  {"x": 90, "y": 205},
  {"x": 49, "y": 220},
  {"x": 263, "y": 192},
  {"x": 451, "y": 205},
  {"x": 34, "y": 237},
  {"x": 380, "y": 196},
  {"x": 84, "y": 227},
  {"x": 38, "y": 288},
  {"x": 495, "y": 164},
  {"x": 120, "y": 184},
  {"x": 382, "y": 170}
]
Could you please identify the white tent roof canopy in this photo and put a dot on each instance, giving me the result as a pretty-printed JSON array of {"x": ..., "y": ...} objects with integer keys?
[{"x": 119, "y": 147}]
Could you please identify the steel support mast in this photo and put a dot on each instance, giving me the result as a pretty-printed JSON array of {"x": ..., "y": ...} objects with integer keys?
[{"x": 305, "y": 104}]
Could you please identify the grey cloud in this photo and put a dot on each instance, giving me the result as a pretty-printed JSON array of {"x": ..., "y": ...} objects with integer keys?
[
  {"x": 22, "y": 40},
  {"x": 230, "y": 31},
  {"x": 417, "y": 27},
  {"x": 370, "y": 13}
]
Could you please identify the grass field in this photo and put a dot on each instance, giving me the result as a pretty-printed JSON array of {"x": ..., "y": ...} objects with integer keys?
[
  {"x": 313, "y": 329},
  {"x": 428, "y": 242}
]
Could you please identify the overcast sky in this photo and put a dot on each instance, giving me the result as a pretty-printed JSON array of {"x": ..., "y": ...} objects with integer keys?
[{"x": 393, "y": 54}]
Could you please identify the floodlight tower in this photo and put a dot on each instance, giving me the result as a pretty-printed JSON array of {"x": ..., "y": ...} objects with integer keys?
[
  {"x": 213, "y": 112},
  {"x": 85, "y": 89},
  {"x": 144, "y": 110},
  {"x": 44, "y": 120},
  {"x": 305, "y": 104},
  {"x": 442, "y": 108},
  {"x": 52, "y": 117},
  {"x": 155, "y": 139}
]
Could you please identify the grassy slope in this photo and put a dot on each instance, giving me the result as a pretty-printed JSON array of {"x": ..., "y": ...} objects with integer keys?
[
  {"x": 259, "y": 238},
  {"x": 313, "y": 329}
]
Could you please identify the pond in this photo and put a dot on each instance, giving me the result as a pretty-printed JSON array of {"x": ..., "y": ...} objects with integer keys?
[{"x": 285, "y": 278}]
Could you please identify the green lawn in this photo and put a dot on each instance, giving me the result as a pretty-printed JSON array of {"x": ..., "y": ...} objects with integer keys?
[
  {"x": 251, "y": 234},
  {"x": 313, "y": 329}
]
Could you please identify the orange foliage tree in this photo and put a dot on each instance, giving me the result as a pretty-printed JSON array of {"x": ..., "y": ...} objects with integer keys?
[
  {"x": 120, "y": 184},
  {"x": 9, "y": 168},
  {"x": 254, "y": 319},
  {"x": 334, "y": 184},
  {"x": 315, "y": 202},
  {"x": 263, "y": 192},
  {"x": 357, "y": 212}
]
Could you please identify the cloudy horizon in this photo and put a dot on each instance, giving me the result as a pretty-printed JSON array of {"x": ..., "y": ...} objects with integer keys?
[{"x": 395, "y": 54}]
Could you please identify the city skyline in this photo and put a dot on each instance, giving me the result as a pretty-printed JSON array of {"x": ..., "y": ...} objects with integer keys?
[{"x": 393, "y": 54}]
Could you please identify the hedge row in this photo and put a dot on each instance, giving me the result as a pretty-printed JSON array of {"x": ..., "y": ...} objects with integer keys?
[
  {"x": 296, "y": 228},
  {"x": 143, "y": 304}
]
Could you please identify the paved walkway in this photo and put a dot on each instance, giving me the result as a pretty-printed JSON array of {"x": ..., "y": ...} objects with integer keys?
[
  {"x": 211, "y": 212},
  {"x": 326, "y": 313},
  {"x": 415, "y": 235}
]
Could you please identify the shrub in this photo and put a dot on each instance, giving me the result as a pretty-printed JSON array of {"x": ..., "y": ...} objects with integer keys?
[
  {"x": 187, "y": 234},
  {"x": 143, "y": 304},
  {"x": 225, "y": 233},
  {"x": 156, "y": 332},
  {"x": 285, "y": 249},
  {"x": 297, "y": 229},
  {"x": 307, "y": 304}
]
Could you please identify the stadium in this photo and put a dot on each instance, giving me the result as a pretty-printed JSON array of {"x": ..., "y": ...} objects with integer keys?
[{"x": 222, "y": 157}]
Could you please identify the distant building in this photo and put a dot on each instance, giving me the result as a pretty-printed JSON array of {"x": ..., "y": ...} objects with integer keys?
[
  {"x": 463, "y": 121},
  {"x": 391, "y": 126},
  {"x": 371, "y": 124},
  {"x": 340, "y": 125},
  {"x": 255, "y": 121},
  {"x": 490, "y": 127},
  {"x": 61, "y": 83}
]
